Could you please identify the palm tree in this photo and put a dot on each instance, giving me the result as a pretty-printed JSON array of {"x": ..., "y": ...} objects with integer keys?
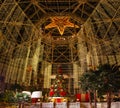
[{"x": 110, "y": 80}]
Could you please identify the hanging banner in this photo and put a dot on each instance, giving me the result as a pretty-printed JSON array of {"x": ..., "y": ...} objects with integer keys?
[
  {"x": 61, "y": 105},
  {"x": 104, "y": 105},
  {"x": 48, "y": 105},
  {"x": 99, "y": 105},
  {"x": 115, "y": 104},
  {"x": 74, "y": 105},
  {"x": 37, "y": 105}
]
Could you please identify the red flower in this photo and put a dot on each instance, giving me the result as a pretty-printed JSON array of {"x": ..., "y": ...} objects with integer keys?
[
  {"x": 62, "y": 93},
  {"x": 51, "y": 93}
]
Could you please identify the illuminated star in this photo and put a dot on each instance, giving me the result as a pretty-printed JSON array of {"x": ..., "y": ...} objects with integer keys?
[{"x": 60, "y": 23}]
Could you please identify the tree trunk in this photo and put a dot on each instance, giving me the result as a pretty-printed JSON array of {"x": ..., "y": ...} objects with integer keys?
[
  {"x": 95, "y": 100},
  {"x": 90, "y": 100},
  {"x": 109, "y": 99}
]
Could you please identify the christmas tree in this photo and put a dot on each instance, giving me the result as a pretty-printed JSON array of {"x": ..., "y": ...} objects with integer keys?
[{"x": 58, "y": 88}]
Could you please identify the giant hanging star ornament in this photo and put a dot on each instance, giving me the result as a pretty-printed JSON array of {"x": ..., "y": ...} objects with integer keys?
[{"x": 60, "y": 23}]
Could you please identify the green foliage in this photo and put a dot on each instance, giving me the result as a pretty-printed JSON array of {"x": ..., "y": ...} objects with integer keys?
[
  {"x": 22, "y": 97},
  {"x": 10, "y": 96},
  {"x": 16, "y": 86},
  {"x": 1, "y": 96},
  {"x": 90, "y": 80},
  {"x": 105, "y": 79},
  {"x": 7, "y": 96},
  {"x": 110, "y": 77}
]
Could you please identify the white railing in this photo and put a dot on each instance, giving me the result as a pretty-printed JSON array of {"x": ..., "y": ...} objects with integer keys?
[{"x": 62, "y": 105}]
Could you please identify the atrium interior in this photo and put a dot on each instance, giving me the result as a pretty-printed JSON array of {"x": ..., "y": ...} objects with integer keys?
[{"x": 39, "y": 36}]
